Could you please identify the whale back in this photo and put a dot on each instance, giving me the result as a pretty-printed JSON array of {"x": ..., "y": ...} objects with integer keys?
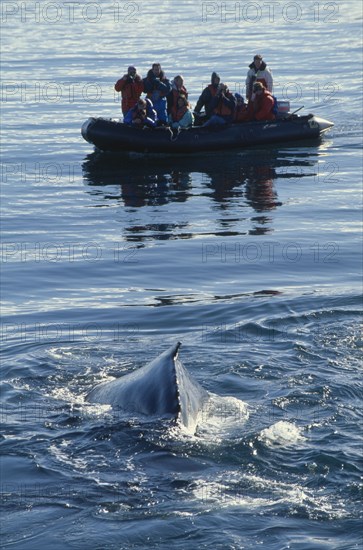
[{"x": 161, "y": 388}]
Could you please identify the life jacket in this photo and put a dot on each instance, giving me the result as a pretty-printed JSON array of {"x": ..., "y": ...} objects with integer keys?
[
  {"x": 174, "y": 102},
  {"x": 261, "y": 108},
  {"x": 222, "y": 109},
  {"x": 177, "y": 92},
  {"x": 212, "y": 89}
]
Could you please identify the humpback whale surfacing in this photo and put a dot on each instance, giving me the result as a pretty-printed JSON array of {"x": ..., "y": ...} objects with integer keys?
[{"x": 161, "y": 388}]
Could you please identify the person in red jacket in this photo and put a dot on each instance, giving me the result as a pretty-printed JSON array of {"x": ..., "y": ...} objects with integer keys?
[
  {"x": 262, "y": 105},
  {"x": 131, "y": 87}
]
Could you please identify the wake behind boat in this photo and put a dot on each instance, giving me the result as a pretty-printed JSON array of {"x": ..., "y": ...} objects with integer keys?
[{"x": 114, "y": 135}]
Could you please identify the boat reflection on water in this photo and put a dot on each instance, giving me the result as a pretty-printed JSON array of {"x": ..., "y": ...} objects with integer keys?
[
  {"x": 237, "y": 185},
  {"x": 135, "y": 180}
]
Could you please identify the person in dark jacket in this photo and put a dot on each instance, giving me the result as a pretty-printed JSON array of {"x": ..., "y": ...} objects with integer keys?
[
  {"x": 157, "y": 87},
  {"x": 131, "y": 87},
  {"x": 222, "y": 105},
  {"x": 207, "y": 95}
]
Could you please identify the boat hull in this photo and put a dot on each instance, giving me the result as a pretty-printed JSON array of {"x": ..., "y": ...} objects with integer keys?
[{"x": 113, "y": 135}]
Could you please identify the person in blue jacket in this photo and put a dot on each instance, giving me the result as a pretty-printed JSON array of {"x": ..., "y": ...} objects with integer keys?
[
  {"x": 142, "y": 114},
  {"x": 156, "y": 88}
]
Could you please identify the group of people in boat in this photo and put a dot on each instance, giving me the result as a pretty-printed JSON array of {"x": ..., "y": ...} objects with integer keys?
[{"x": 166, "y": 102}]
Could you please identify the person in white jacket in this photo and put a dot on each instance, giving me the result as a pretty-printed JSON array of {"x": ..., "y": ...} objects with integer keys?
[{"x": 258, "y": 72}]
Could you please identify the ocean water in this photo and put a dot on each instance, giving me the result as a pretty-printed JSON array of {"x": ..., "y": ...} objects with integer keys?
[{"x": 251, "y": 258}]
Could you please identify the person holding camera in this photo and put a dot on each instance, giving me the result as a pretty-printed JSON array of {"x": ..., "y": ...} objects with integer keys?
[
  {"x": 223, "y": 106},
  {"x": 142, "y": 114},
  {"x": 207, "y": 95},
  {"x": 131, "y": 87},
  {"x": 258, "y": 72}
]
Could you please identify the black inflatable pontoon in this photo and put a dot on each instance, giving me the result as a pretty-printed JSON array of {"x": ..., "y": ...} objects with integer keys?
[{"x": 114, "y": 135}]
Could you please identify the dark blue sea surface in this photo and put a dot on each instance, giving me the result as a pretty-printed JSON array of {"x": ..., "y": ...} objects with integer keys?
[{"x": 251, "y": 258}]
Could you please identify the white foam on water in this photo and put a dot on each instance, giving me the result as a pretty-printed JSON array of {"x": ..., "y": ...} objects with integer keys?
[
  {"x": 221, "y": 417},
  {"x": 236, "y": 489},
  {"x": 282, "y": 434}
]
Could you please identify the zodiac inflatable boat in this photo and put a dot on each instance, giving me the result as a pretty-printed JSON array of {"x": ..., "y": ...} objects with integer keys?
[{"x": 114, "y": 135}]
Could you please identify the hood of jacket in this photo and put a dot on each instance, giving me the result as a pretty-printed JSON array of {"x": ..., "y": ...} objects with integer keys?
[
  {"x": 150, "y": 75},
  {"x": 262, "y": 66}
]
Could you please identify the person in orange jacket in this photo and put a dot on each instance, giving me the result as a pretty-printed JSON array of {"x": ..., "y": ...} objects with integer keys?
[
  {"x": 261, "y": 106},
  {"x": 131, "y": 87}
]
